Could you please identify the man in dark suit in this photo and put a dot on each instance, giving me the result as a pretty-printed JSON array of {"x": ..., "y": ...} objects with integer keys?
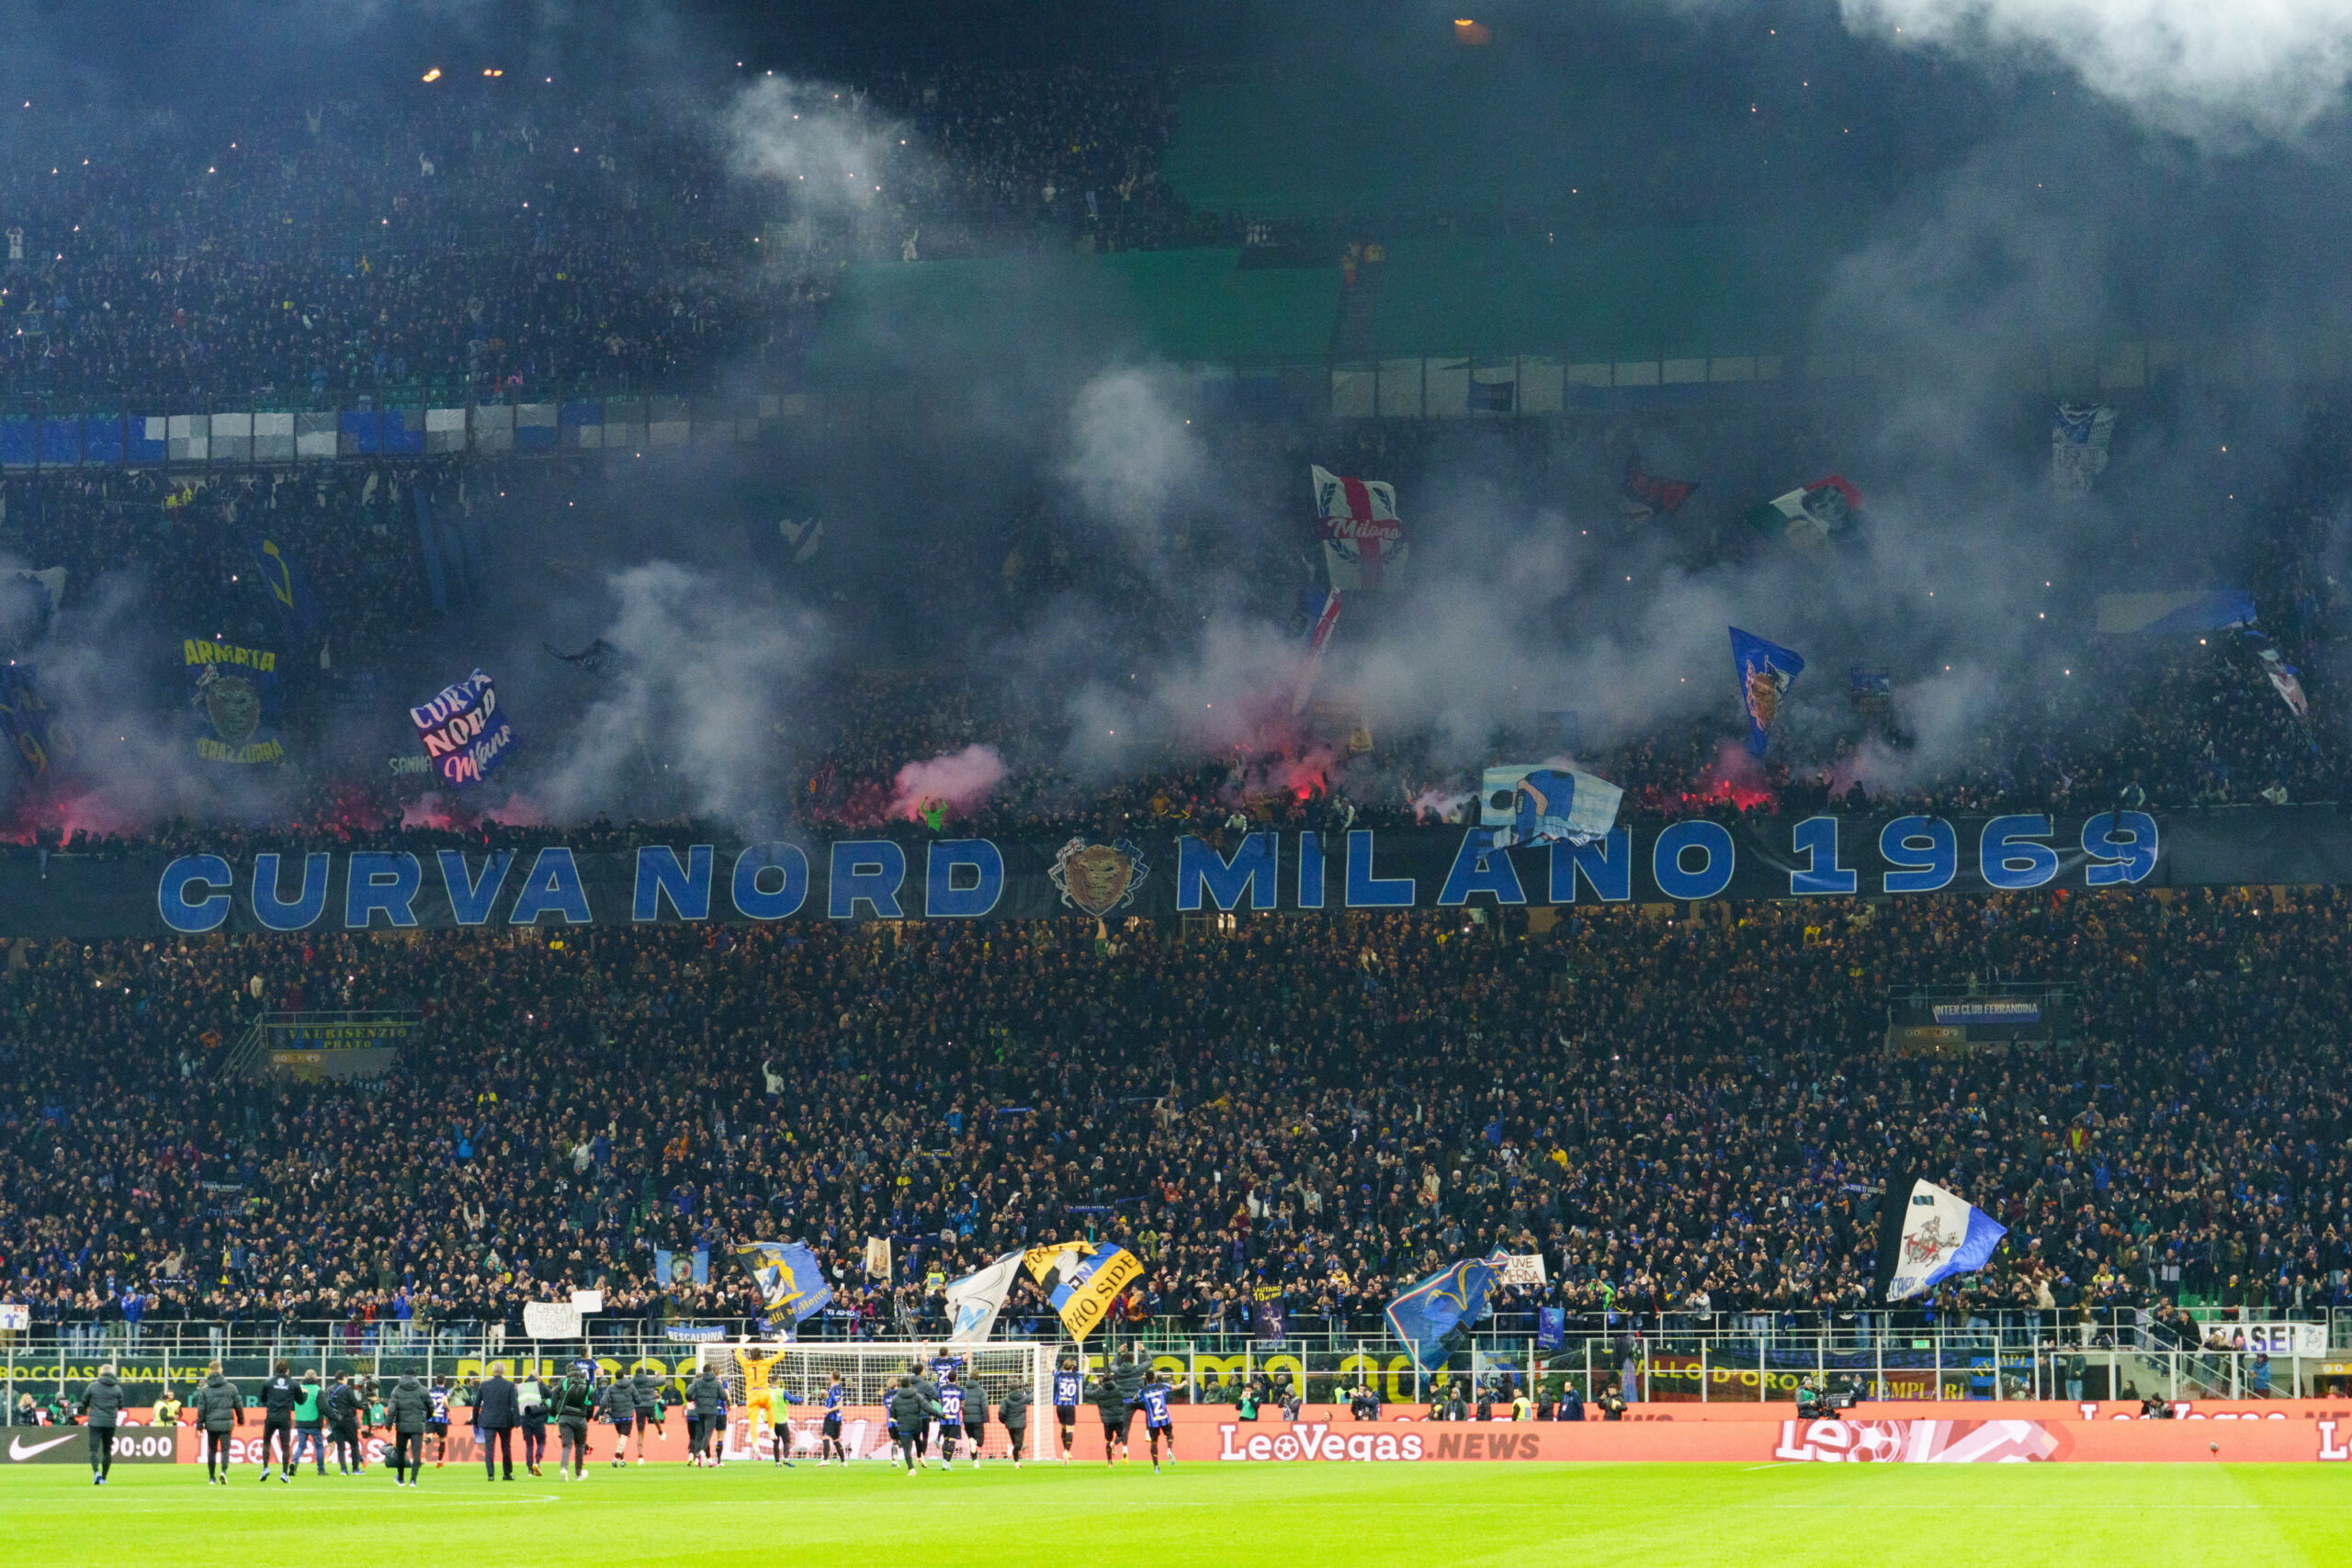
[{"x": 496, "y": 1413}]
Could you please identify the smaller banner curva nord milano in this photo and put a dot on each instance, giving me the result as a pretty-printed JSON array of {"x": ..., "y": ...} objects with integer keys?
[{"x": 1162, "y": 873}]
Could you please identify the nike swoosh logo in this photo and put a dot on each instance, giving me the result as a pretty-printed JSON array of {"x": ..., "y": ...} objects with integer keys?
[{"x": 17, "y": 1450}]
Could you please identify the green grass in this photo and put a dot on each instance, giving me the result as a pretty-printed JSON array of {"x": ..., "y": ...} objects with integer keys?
[{"x": 1298, "y": 1517}]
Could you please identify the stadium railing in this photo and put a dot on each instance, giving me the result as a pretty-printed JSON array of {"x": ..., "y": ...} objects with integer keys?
[{"x": 1751, "y": 1362}]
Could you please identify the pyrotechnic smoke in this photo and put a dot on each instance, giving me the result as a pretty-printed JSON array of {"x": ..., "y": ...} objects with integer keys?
[{"x": 959, "y": 781}]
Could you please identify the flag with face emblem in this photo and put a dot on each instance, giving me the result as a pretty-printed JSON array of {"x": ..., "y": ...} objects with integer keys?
[
  {"x": 790, "y": 1278},
  {"x": 1764, "y": 671},
  {"x": 233, "y": 690}
]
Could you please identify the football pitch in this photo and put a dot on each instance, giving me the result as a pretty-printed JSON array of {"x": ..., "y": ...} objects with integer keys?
[{"x": 1359, "y": 1516}]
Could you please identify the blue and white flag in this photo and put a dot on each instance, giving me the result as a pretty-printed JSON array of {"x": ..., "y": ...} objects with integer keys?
[
  {"x": 1541, "y": 804},
  {"x": 791, "y": 1280},
  {"x": 679, "y": 1269},
  {"x": 1940, "y": 1234},
  {"x": 1766, "y": 670},
  {"x": 2284, "y": 678},
  {"x": 973, "y": 1300},
  {"x": 1452, "y": 1296},
  {"x": 2079, "y": 433},
  {"x": 1810, "y": 515}
]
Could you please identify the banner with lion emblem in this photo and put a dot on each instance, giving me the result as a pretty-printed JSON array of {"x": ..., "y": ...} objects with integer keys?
[
  {"x": 234, "y": 692},
  {"x": 1098, "y": 878}
]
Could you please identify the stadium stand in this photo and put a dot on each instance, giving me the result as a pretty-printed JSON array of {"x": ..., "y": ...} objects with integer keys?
[{"x": 1682, "y": 1109}]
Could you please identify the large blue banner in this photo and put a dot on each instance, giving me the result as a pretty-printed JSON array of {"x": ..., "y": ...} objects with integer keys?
[{"x": 911, "y": 877}]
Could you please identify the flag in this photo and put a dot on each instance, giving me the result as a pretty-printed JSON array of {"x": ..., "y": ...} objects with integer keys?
[
  {"x": 234, "y": 692},
  {"x": 1540, "y": 804},
  {"x": 877, "y": 1257},
  {"x": 2288, "y": 683},
  {"x": 1647, "y": 495},
  {"x": 802, "y": 537},
  {"x": 1356, "y": 519},
  {"x": 791, "y": 1280},
  {"x": 1319, "y": 634},
  {"x": 1452, "y": 1296},
  {"x": 1871, "y": 692},
  {"x": 973, "y": 1300},
  {"x": 32, "y": 729},
  {"x": 2176, "y": 613},
  {"x": 1765, "y": 670},
  {"x": 288, "y": 589},
  {"x": 1495, "y": 390},
  {"x": 2079, "y": 433},
  {"x": 464, "y": 734},
  {"x": 1811, "y": 514},
  {"x": 50, "y": 580},
  {"x": 1930, "y": 1237},
  {"x": 1269, "y": 1319},
  {"x": 1082, "y": 1281},
  {"x": 673, "y": 1268},
  {"x": 2283, "y": 677},
  {"x": 1550, "y": 1328},
  {"x": 435, "y": 585}
]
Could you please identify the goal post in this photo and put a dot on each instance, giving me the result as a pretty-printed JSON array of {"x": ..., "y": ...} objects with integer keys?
[{"x": 751, "y": 1369}]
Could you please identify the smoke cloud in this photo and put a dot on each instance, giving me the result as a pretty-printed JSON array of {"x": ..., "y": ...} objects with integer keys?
[
  {"x": 2271, "y": 65},
  {"x": 820, "y": 142},
  {"x": 958, "y": 781},
  {"x": 693, "y": 720}
]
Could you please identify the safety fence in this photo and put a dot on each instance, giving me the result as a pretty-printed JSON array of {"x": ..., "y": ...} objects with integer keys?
[{"x": 1954, "y": 1363}]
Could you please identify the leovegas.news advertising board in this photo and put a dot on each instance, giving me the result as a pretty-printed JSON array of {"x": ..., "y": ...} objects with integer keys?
[{"x": 2316, "y": 1430}]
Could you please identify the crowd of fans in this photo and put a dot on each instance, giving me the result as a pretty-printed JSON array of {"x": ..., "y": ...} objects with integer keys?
[
  {"x": 1684, "y": 1115},
  {"x": 519, "y": 238},
  {"x": 388, "y": 552}
]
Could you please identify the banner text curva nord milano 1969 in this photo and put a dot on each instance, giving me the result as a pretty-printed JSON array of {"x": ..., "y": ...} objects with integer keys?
[{"x": 894, "y": 877}]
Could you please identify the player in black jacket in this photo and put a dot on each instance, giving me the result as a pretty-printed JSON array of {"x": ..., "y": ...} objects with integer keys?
[
  {"x": 408, "y": 1409},
  {"x": 102, "y": 1407},
  {"x": 219, "y": 1410},
  {"x": 1111, "y": 1403},
  {"x": 279, "y": 1397},
  {"x": 1014, "y": 1414},
  {"x": 344, "y": 1412}
]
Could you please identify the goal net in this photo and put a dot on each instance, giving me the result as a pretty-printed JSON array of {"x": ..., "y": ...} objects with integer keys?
[{"x": 752, "y": 1370}]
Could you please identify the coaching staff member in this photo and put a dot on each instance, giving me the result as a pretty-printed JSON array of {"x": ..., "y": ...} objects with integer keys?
[
  {"x": 496, "y": 1411},
  {"x": 406, "y": 1410}
]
